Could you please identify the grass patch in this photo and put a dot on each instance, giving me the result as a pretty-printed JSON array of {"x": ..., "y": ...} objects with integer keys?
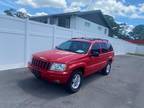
[{"x": 136, "y": 54}]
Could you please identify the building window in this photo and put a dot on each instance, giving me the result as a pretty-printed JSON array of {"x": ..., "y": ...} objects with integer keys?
[
  {"x": 67, "y": 22},
  {"x": 99, "y": 28},
  {"x": 87, "y": 24},
  {"x": 64, "y": 22},
  {"x": 53, "y": 21},
  {"x": 105, "y": 31}
]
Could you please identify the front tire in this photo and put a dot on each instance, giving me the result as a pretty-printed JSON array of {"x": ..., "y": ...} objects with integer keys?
[{"x": 74, "y": 82}]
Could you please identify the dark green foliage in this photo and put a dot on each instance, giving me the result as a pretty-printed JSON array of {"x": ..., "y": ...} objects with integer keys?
[
  {"x": 119, "y": 30},
  {"x": 138, "y": 32},
  {"x": 13, "y": 12}
]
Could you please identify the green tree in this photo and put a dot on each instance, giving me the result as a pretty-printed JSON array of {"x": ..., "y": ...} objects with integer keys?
[
  {"x": 10, "y": 12},
  {"x": 21, "y": 15},
  {"x": 13, "y": 12},
  {"x": 116, "y": 28},
  {"x": 138, "y": 32},
  {"x": 119, "y": 30}
]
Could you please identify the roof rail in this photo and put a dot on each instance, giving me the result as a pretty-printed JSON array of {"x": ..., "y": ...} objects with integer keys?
[{"x": 91, "y": 39}]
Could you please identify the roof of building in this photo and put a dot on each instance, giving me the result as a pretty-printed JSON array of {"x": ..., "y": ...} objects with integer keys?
[{"x": 88, "y": 15}]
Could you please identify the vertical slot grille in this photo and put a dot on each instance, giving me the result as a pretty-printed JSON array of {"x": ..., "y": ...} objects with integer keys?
[{"x": 40, "y": 63}]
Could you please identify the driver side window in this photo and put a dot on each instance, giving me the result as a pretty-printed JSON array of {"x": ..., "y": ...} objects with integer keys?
[{"x": 96, "y": 47}]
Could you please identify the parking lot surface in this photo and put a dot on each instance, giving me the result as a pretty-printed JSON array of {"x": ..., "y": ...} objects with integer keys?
[{"x": 123, "y": 88}]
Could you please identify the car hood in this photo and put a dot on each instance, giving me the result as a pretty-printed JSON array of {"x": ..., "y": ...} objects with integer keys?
[{"x": 59, "y": 56}]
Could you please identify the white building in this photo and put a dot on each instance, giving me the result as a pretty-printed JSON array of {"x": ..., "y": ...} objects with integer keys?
[{"x": 90, "y": 21}]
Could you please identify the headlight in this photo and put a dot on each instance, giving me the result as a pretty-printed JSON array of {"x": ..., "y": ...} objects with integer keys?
[{"x": 58, "y": 67}]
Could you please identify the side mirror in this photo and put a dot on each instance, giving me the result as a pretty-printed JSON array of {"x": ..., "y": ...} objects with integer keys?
[
  {"x": 94, "y": 53},
  {"x": 56, "y": 47}
]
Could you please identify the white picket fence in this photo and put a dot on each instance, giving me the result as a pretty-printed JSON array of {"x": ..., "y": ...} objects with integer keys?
[{"x": 20, "y": 38}]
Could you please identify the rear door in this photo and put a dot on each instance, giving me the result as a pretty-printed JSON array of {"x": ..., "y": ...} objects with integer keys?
[
  {"x": 95, "y": 62},
  {"x": 105, "y": 53}
]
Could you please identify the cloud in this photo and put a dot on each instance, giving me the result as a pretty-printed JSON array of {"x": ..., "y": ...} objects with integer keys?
[
  {"x": 129, "y": 28},
  {"x": 40, "y": 14},
  {"x": 141, "y": 8},
  {"x": 124, "y": 1},
  {"x": 23, "y": 10},
  {"x": 136, "y": 16},
  {"x": 74, "y": 6},
  {"x": 26, "y": 2},
  {"x": 43, "y": 3},
  {"x": 114, "y": 7},
  {"x": 110, "y": 7}
]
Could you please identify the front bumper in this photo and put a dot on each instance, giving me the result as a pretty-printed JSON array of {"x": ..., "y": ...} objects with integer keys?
[{"x": 52, "y": 76}]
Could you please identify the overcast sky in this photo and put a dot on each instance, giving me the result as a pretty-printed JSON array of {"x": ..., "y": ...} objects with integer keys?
[{"x": 128, "y": 11}]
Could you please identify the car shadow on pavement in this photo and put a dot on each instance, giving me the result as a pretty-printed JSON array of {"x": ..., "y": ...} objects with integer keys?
[
  {"x": 90, "y": 79},
  {"x": 45, "y": 90},
  {"x": 41, "y": 88}
]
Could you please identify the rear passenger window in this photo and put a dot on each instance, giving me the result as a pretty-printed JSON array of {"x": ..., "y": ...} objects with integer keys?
[
  {"x": 104, "y": 47},
  {"x": 110, "y": 48},
  {"x": 96, "y": 47}
]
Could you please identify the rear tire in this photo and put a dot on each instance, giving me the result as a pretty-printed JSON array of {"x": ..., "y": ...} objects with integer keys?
[
  {"x": 74, "y": 82},
  {"x": 107, "y": 69}
]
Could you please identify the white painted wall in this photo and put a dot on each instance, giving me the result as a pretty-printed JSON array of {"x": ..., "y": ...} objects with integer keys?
[
  {"x": 140, "y": 49},
  {"x": 20, "y": 38},
  {"x": 12, "y": 42},
  {"x": 78, "y": 23}
]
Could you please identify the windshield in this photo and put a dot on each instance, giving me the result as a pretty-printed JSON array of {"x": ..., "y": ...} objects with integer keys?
[{"x": 75, "y": 46}]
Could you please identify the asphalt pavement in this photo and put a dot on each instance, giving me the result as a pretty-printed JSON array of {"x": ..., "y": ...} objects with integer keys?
[{"x": 123, "y": 88}]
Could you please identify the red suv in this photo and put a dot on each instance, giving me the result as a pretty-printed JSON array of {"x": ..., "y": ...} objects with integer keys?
[{"x": 73, "y": 60}]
